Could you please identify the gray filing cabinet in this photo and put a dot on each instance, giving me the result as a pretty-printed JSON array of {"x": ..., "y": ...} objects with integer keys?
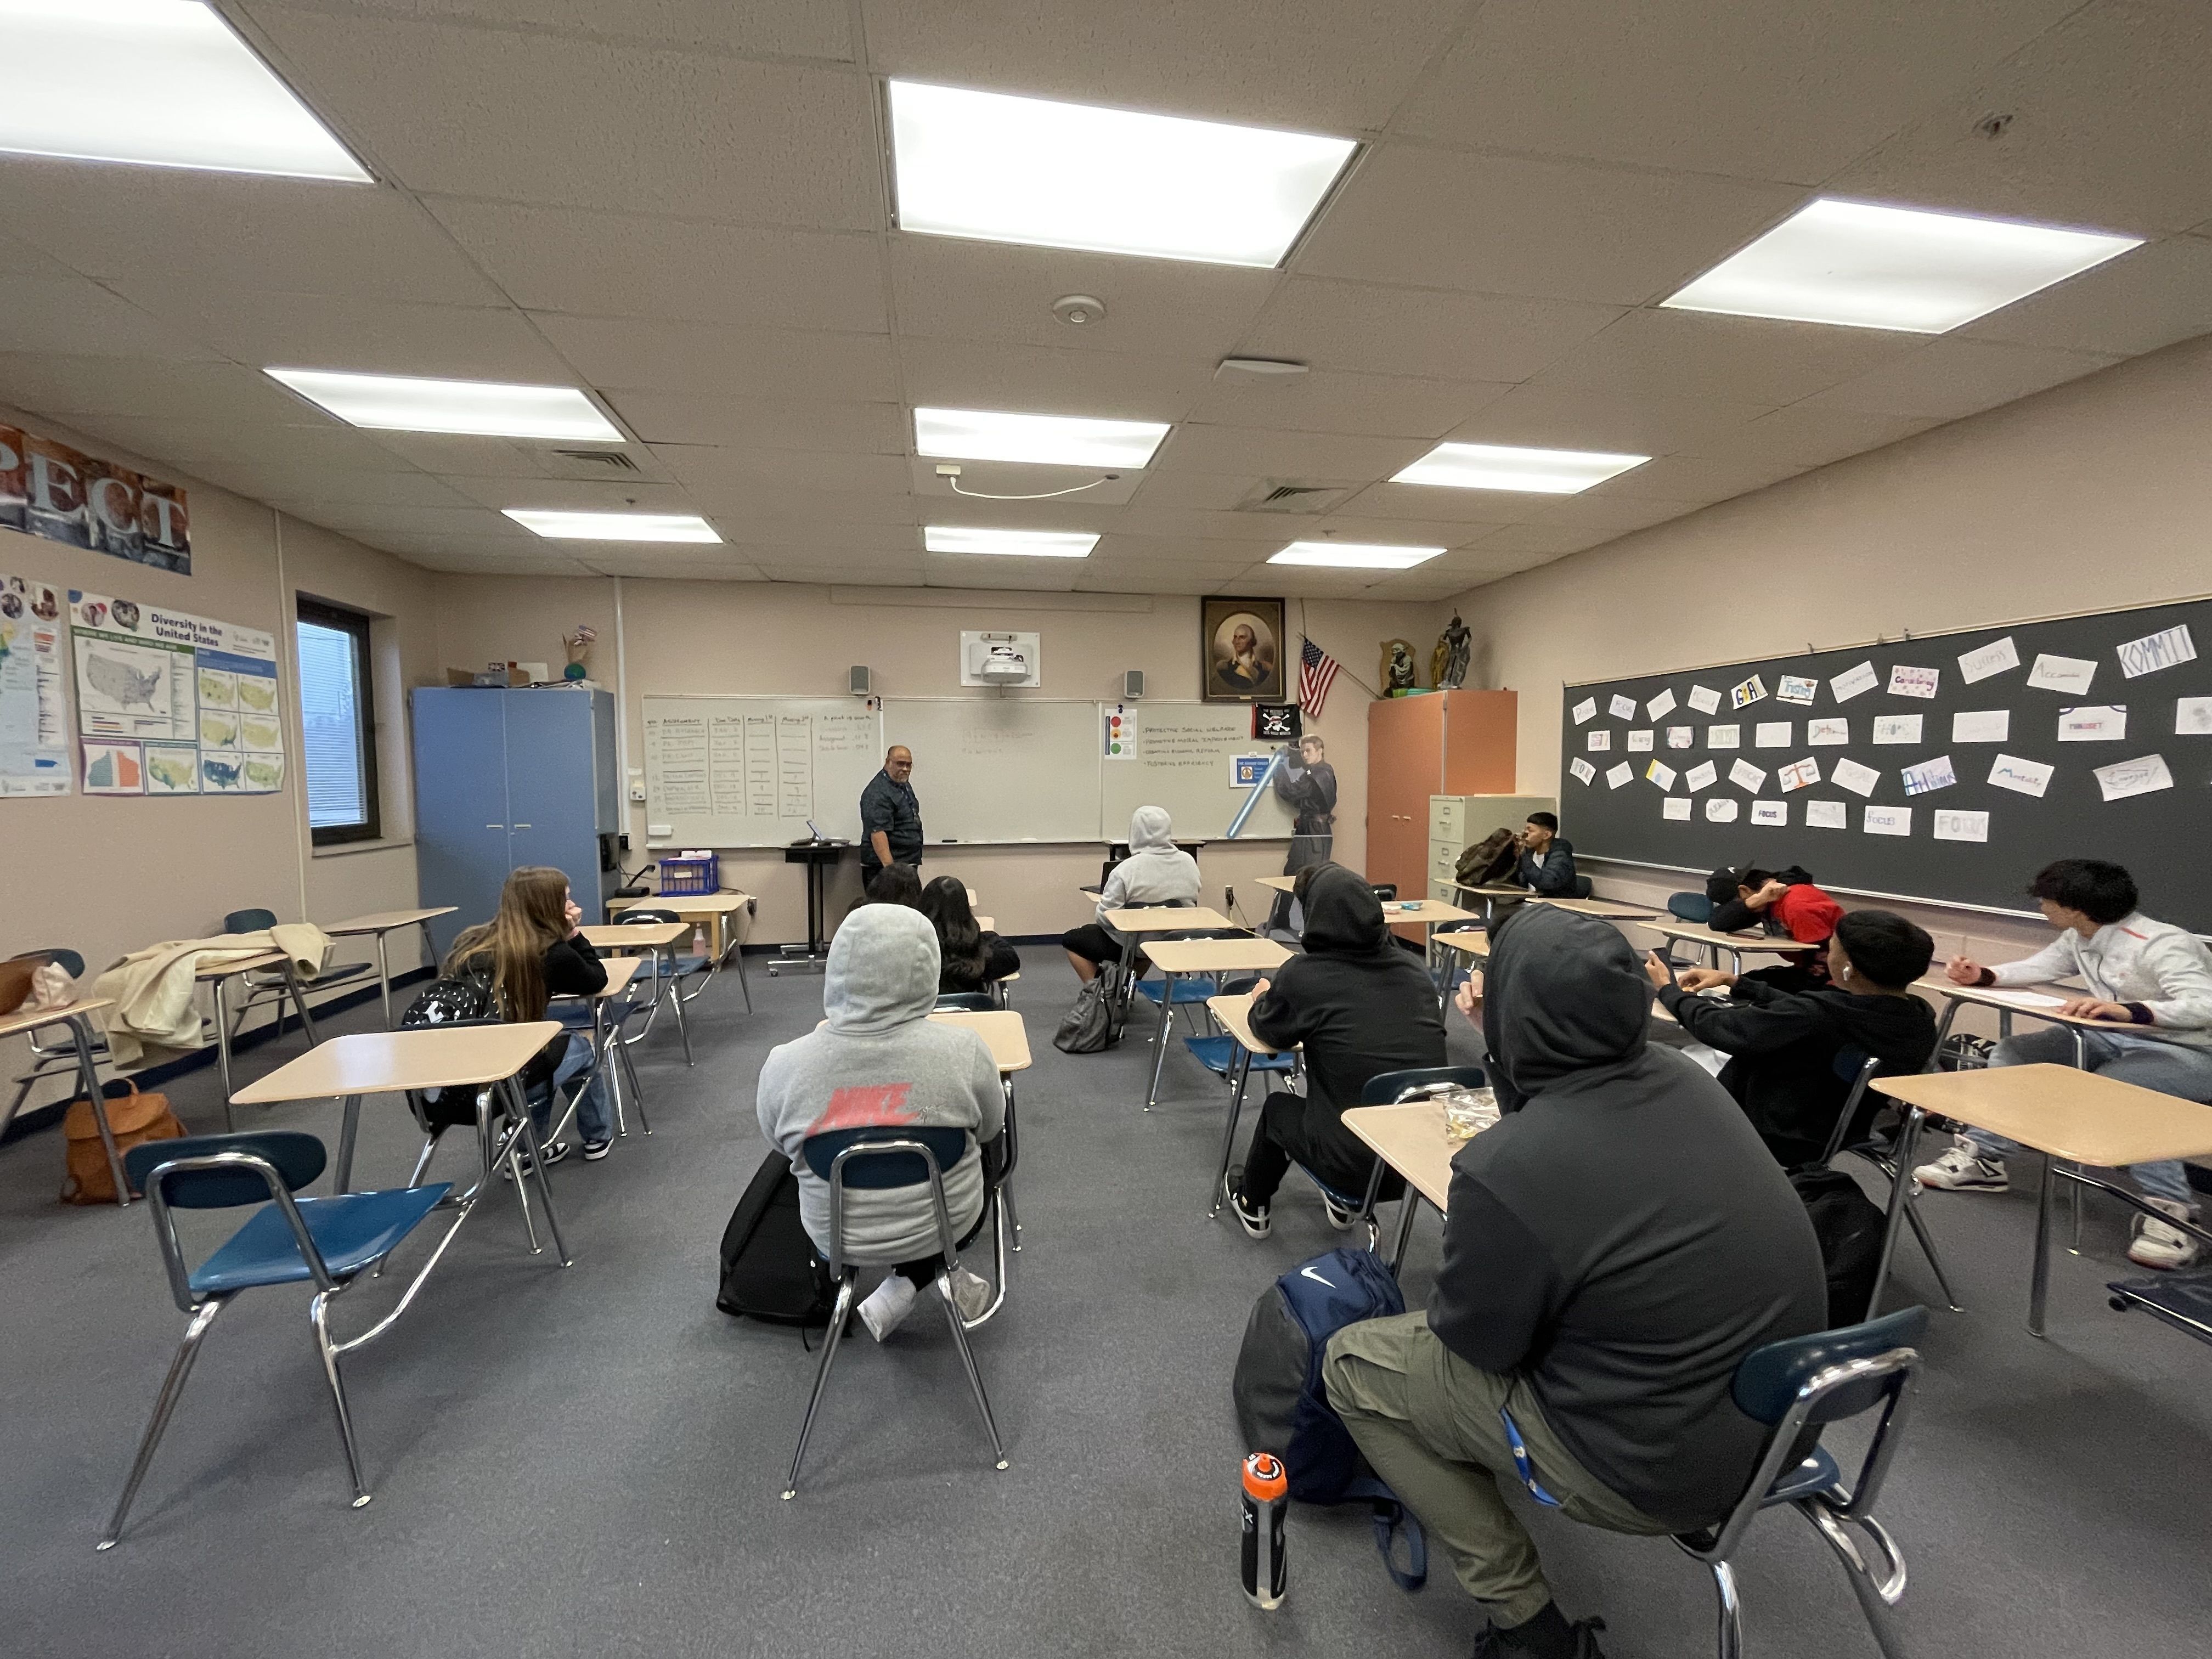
[
  {"x": 505, "y": 778},
  {"x": 1458, "y": 821}
]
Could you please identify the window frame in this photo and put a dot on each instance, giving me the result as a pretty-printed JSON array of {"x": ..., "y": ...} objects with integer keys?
[{"x": 355, "y": 625}]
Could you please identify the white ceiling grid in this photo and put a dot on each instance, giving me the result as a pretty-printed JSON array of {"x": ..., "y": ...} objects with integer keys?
[{"x": 682, "y": 205}]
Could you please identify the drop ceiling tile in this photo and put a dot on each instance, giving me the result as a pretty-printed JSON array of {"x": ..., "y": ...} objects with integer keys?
[
  {"x": 1202, "y": 492},
  {"x": 1021, "y": 480},
  {"x": 793, "y": 28},
  {"x": 451, "y": 454},
  {"x": 152, "y": 388},
  {"x": 804, "y": 566},
  {"x": 1792, "y": 92},
  {"x": 1692, "y": 479},
  {"x": 665, "y": 270},
  {"x": 1350, "y": 525},
  {"x": 1616, "y": 513},
  {"x": 1312, "y": 65},
  {"x": 790, "y": 538},
  {"x": 998, "y": 573},
  {"x": 1947, "y": 379},
  {"x": 74, "y": 316},
  {"x": 661, "y": 417},
  {"x": 1555, "y": 230},
  {"x": 713, "y": 471},
  {"x": 573, "y": 495},
  {"x": 218, "y": 452},
  {"x": 2159, "y": 293},
  {"x": 454, "y": 562},
  {"x": 1746, "y": 360},
  {"x": 530, "y": 117},
  {"x": 671, "y": 563},
  {"x": 1246, "y": 527},
  {"x": 1244, "y": 450},
  {"x": 19, "y": 258},
  {"x": 1436, "y": 503},
  {"x": 945, "y": 374},
  {"x": 1369, "y": 329},
  {"x": 1152, "y": 576},
  {"x": 1323, "y": 400},
  {"x": 777, "y": 504},
  {"x": 310, "y": 491},
  {"x": 1612, "y": 422},
  {"x": 1810, "y": 434},
  {"x": 703, "y": 362},
  {"x": 481, "y": 524},
  {"x": 950, "y": 288},
  {"x": 1519, "y": 545}
]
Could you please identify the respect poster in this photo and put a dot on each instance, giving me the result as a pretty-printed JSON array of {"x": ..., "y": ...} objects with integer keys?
[
  {"x": 33, "y": 725},
  {"x": 173, "y": 704}
]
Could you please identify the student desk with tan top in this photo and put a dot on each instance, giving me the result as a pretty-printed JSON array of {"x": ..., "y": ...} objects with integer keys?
[
  {"x": 384, "y": 922},
  {"x": 1736, "y": 945},
  {"x": 1411, "y": 1139},
  {"x": 660, "y": 938},
  {"x": 2006, "y": 1000},
  {"x": 609, "y": 1053},
  {"x": 1604, "y": 909},
  {"x": 2072, "y": 1117},
  {"x": 71, "y": 1017},
  {"x": 715, "y": 910},
  {"x": 1247, "y": 954},
  {"x": 217, "y": 975}
]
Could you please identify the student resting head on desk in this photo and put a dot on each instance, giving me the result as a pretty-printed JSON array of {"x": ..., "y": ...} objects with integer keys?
[
  {"x": 878, "y": 1060},
  {"x": 1362, "y": 1006},
  {"x": 1611, "y": 1347},
  {"x": 1749, "y": 899},
  {"x": 1157, "y": 872},
  {"x": 1782, "y": 1045},
  {"x": 529, "y": 952},
  {"x": 971, "y": 958},
  {"x": 2154, "y": 980}
]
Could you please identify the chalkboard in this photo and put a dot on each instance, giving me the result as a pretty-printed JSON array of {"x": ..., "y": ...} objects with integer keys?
[{"x": 2150, "y": 810}]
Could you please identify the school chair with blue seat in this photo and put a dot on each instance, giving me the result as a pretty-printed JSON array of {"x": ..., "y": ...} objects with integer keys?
[
  {"x": 330, "y": 1241},
  {"x": 1797, "y": 1387},
  {"x": 674, "y": 970},
  {"x": 1396, "y": 1089},
  {"x": 274, "y": 985},
  {"x": 966, "y": 1002},
  {"x": 879, "y": 1159},
  {"x": 1859, "y": 1068}
]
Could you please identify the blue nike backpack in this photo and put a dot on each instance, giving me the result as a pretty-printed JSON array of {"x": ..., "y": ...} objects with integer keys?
[{"x": 1283, "y": 1407}]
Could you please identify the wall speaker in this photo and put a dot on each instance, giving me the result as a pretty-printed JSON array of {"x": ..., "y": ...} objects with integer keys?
[
  {"x": 864, "y": 680},
  {"x": 1132, "y": 684}
]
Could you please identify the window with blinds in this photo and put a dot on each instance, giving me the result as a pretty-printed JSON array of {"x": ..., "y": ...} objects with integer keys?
[{"x": 338, "y": 721}]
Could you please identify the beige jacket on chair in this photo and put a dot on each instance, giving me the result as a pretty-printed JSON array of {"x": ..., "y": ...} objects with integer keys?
[{"x": 152, "y": 988}]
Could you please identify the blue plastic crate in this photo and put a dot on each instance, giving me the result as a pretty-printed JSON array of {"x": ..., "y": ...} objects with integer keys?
[{"x": 682, "y": 878}]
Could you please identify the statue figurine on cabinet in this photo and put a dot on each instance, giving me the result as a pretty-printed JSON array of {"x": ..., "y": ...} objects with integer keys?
[
  {"x": 1398, "y": 670},
  {"x": 1454, "y": 651}
]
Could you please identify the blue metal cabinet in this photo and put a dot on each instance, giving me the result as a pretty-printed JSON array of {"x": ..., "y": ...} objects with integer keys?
[{"x": 505, "y": 778}]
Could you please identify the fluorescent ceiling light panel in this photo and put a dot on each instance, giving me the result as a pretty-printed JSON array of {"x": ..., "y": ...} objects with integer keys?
[
  {"x": 998, "y": 168},
  {"x": 975, "y": 434},
  {"x": 159, "y": 83},
  {"x": 1026, "y": 544},
  {"x": 1355, "y": 556},
  {"x": 614, "y": 526},
  {"x": 1857, "y": 265},
  {"x": 391, "y": 403},
  {"x": 1532, "y": 471}
]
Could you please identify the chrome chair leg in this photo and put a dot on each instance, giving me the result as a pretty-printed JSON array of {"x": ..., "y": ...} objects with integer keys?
[
  {"x": 1928, "y": 1249},
  {"x": 1731, "y": 1610},
  {"x": 165, "y": 1403},
  {"x": 943, "y": 1283},
  {"x": 682, "y": 1028},
  {"x": 1875, "y": 1596},
  {"x": 838, "y": 1315},
  {"x": 319, "y": 1316},
  {"x": 737, "y": 954},
  {"x": 537, "y": 1166},
  {"x": 1013, "y": 1219}
]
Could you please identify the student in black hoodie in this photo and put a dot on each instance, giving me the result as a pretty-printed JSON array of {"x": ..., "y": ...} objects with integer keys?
[
  {"x": 1615, "y": 1246},
  {"x": 1361, "y": 1006},
  {"x": 1545, "y": 861},
  {"x": 1782, "y": 1045}
]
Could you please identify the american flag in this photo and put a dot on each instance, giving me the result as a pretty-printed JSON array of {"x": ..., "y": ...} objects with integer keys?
[{"x": 1317, "y": 672}]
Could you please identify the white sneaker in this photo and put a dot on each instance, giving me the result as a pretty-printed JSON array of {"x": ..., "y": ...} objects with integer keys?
[
  {"x": 971, "y": 1294},
  {"x": 1963, "y": 1169},
  {"x": 888, "y": 1305},
  {"x": 2158, "y": 1245},
  {"x": 1339, "y": 1216}
]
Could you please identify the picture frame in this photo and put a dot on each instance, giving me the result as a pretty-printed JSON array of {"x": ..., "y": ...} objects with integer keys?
[{"x": 1243, "y": 651}]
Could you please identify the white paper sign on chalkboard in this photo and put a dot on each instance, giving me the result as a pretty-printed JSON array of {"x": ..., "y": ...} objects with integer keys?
[
  {"x": 1661, "y": 774},
  {"x": 2097, "y": 722},
  {"x": 1854, "y": 682},
  {"x": 2146, "y": 776},
  {"x": 2021, "y": 775},
  {"x": 1982, "y": 725},
  {"x": 1827, "y": 815},
  {"x": 1929, "y": 776},
  {"x": 1585, "y": 710},
  {"x": 1619, "y": 776},
  {"x": 1674, "y": 807},
  {"x": 1858, "y": 779},
  {"x": 2167, "y": 649},
  {"x": 1582, "y": 769},
  {"x": 1994, "y": 658},
  {"x": 1721, "y": 808},
  {"x": 1746, "y": 777},
  {"x": 1888, "y": 820},
  {"x": 1775, "y": 812},
  {"x": 1828, "y": 733},
  {"x": 1724, "y": 737},
  {"x": 1701, "y": 776},
  {"x": 2053, "y": 673},
  {"x": 1962, "y": 826},
  {"x": 1770, "y": 734},
  {"x": 1705, "y": 699}
]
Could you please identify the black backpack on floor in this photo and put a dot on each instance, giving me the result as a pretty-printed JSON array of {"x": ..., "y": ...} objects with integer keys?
[
  {"x": 1850, "y": 1228},
  {"x": 770, "y": 1268}
]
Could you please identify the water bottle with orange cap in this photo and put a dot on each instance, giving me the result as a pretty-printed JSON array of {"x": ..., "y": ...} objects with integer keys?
[{"x": 1266, "y": 1500}]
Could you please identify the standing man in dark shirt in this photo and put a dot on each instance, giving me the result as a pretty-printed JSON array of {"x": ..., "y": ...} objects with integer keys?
[
  {"x": 891, "y": 817},
  {"x": 1306, "y": 783}
]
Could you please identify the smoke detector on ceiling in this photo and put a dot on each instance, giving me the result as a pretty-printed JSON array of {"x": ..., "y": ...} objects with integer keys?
[{"x": 1079, "y": 309}]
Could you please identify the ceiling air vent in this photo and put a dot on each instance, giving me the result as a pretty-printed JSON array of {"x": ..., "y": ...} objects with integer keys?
[
  {"x": 614, "y": 460},
  {"x": 1293, "y": 496}
]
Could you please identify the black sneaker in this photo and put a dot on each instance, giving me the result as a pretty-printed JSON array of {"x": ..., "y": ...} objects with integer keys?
[
  {"x": 596, "y": 1150},
  {"x": 1253, "y": 1217},
  {"x": 554, "y": 1154},
  {"x": 1339, "y": 1216},
  {"x": 1492, "y": 1643}
]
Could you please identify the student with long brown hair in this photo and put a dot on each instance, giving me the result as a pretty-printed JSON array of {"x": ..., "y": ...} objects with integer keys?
[{"x": 532, "y": 951}]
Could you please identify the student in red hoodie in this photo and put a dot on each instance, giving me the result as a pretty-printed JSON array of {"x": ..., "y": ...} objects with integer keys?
[{"x": 1782, "y": 902}]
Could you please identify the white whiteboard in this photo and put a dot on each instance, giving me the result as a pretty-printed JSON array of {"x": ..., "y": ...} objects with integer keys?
[
  {"x": 1001, "y": 769},
  {"x": 1183, "y": 751},
  {"x": 751, "y": 771}
]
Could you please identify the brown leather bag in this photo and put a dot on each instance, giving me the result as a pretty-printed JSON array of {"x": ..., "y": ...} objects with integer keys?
[
  {"x": 134, "y": 1118},
  {"x": 16, "y": 975}
]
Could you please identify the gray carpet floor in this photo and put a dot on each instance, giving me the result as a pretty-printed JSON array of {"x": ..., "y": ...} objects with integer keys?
[{"x": 589, "y": 1462}]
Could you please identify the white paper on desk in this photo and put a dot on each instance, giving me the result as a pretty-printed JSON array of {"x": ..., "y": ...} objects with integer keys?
[
  {"x": 1853, "y": 682},
  {"x": 1681, "y": 737},
  {"x": 1769, "y": 811},
  {"x": 1962, "y": 826},
  {"x": 1770, "y": 734},
  {"x": 2094, "y": 722},
  {"x": 1913, "y": 682},
  {"x": 1850, "y": 775},
  {"x": 2062, "y": 673},
  {"x": 1585, "y": 710},
  {"x": 1746, "y": 777},
  {"x": 1897, "y": 728},
  {"x": 1888, "y": 820},
  {"x": 1662, "y": 704},
  {"x": 2146, "y": 776},
  {"x": 2147, "y": 655},
  {"x": 1599, "y": 741},
  {"x": 1619, "y": 776},
  {"x": 1827, "y": 815},
  {"x": 1701, "y": 776},
  {"x": 1661, "y": 774},
  {"x": 2023, "y": 999},
  {"x": 1992, "y": 658},
  {"x": 2022, "y": 777},
  {"x": 1721, "y": 808},
  {"x": 1622, "y": 709},
  {"x": 1674, "y": 807},
  {"x": 2192, "y": 717},
  {"x": 1705, "y": 699},
  {"x": 1831, "y": 733},
  {"x": 1640, "y": 742},
  {"x": 1582, "y": 769},
  {"x": 1982, "y": 725},
  {"x": 1724, "y": 737},
  {"x": 1795, "y": 688},
  {"x": 1929, "y": 776},
  {"x": 1799, "y": 775},
  {"x": 1747, "y": 692}
]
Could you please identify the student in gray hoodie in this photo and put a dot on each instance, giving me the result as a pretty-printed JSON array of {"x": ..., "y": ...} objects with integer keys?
[
  {"x": 1157, "y": 872},
  {"x": 878, "y": 1060}
]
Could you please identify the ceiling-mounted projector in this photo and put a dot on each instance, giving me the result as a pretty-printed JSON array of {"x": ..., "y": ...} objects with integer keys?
[{"x": 1003, "y": 665}]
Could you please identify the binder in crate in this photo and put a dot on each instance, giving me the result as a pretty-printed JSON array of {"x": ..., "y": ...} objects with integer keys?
[{"x": 687, "y": 874}]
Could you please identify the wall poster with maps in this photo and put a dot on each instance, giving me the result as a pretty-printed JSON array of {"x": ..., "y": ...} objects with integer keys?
[{"x": 172, "y": 704}]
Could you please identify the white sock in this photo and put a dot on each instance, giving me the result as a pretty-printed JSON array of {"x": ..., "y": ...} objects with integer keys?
[{"x": 887, "y": 1305}]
